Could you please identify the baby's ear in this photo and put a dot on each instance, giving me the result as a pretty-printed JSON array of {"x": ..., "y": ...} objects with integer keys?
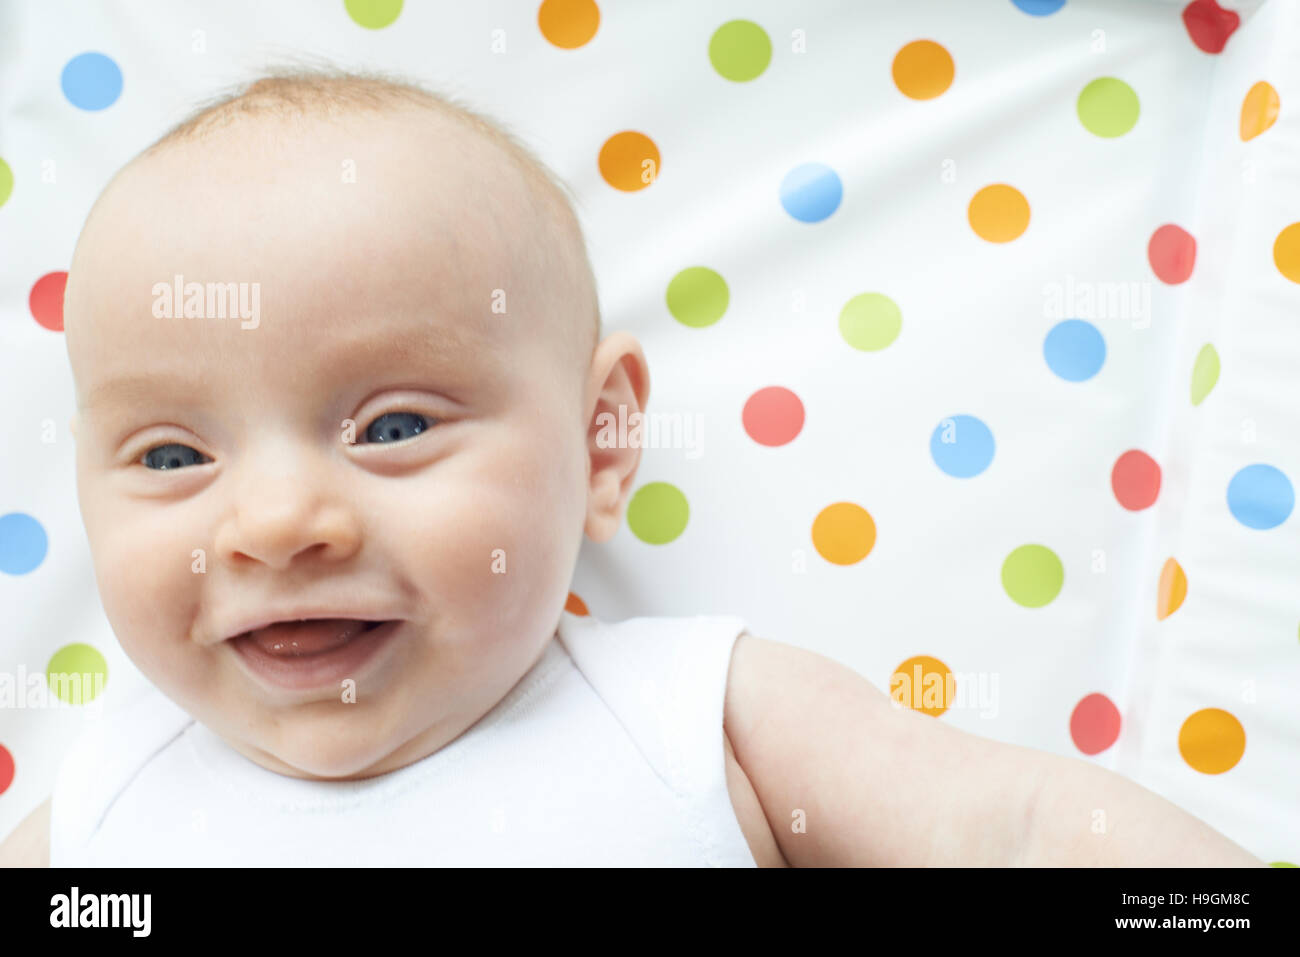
[{"x": 622, "y": 378}]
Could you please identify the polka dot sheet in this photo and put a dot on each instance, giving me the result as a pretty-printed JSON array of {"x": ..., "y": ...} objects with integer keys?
[{"x": 973, "y": 333}]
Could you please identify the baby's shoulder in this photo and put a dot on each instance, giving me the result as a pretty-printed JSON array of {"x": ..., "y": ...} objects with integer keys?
[
  {"x": 664, "y": 678},
  {"x": 659, "y": 654}
]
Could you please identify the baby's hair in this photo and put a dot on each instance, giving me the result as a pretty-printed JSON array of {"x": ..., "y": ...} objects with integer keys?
[{"x": 328, "y": 91}]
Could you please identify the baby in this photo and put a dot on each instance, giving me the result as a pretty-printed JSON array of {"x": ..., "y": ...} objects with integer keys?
[{"x": 339, "y": 377}]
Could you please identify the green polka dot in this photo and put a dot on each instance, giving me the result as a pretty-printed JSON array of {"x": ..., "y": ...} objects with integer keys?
[
  {"x": 1032, "y": 575},
  {"x": 6, "y": 181},
  {"x": 657, "y": 513},
  {"x": 1281, "y": 864},
  {"x": 373, "y": 14},
  {"x": 870, "y": 321},
  {"x": 1205, "y": 373},
  {"x": 1108, "y": 107},
  {"x": 740, "y": 50},
  {"x": 77, "y": 673},
  {"x": 697, "y": 297}
]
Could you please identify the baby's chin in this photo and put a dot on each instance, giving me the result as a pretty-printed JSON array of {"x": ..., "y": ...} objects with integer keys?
[
  {"x": 328, "y": 738},
  {"x": 326, "y": 741}
]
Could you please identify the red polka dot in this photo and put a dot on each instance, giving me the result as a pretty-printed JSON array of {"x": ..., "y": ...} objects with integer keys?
[
  {"x": 1136, "y": 480},
  {"x": 1094, "y": 724},
  {"x": 6, "y": 769},
  {"x": 1209, "y": 25},
  {"x": 1172, "y": 252},
  {"x": 46, "y": 300},
  {"x": 773, "y": 416}
]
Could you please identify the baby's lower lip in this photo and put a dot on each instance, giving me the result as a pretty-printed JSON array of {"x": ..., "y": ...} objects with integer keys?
[{"x": 312, "y": 671}]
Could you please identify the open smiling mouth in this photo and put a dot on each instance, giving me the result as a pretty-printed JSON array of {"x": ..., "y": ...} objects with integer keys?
[{"x": 302, "y": 655}]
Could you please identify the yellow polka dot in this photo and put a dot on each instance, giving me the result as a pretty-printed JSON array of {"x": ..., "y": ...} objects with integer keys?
[
  {"x": 999, "y": 213},
  {"x": 1286, "y": 252},
  {"x": 1259, "y": 110},
  {"x": 1212, "y": 740},
  {"x": 1172, "y": 589},
  {"x": 844, "y": 533},
  {"x": 629, "y": 161},
  {"x": 923, "y": 684},
  {"x": 923, "y": 70},
  {"x": 568, "y": 24}
]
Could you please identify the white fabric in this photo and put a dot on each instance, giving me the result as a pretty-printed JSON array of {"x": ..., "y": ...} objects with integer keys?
[{"x": 608, "y": 752}]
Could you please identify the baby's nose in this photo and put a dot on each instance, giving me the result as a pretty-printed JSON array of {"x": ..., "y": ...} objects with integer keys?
[{"x": 279, "y": 517}]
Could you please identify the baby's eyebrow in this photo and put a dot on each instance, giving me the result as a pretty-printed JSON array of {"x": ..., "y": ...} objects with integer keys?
[
  {"x": 132, "y": 389},
  {"x": 435, "y": 344}
]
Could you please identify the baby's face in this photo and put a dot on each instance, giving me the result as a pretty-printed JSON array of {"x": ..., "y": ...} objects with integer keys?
[{"x": 380, "y": 444}]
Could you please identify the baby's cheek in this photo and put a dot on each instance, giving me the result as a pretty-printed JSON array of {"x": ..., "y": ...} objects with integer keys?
[
  {"x": 144, "y": 565},
  {"x": 495, "y": 550},
  {"x": 485, "y": 551}
]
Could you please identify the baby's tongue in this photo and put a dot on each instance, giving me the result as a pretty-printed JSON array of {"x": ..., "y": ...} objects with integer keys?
[{"x": 289, "y": 639}]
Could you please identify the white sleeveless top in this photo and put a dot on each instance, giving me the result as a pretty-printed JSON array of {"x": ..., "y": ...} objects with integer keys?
[{"x": 608, "y": 752}]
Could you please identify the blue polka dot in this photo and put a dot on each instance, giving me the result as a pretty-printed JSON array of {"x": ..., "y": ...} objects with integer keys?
[
  {"x": 962, "y": 446},
  {"x": 811, "y": 192},
  {"x": 1260, "y": 496},
  {"x": 1039, "y": 8},
  {"x": 22, "y": 543},
  {"x": 92, "y": 81},
  {"x": 1074, "y": 350}
]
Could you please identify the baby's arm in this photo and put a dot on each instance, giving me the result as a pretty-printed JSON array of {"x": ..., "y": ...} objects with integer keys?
[
  {"x": 875, "y": 784},
  {"x": 29, "y": 844}
]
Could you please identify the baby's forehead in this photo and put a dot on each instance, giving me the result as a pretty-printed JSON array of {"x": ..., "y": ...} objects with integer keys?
[
  {"x": 361, "y": 206},
  {"x": 369, "y": 230},
  {"x": 402, "y": 163}
]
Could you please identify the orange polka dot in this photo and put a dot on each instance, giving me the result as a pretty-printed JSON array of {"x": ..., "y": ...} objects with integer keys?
[
  {"x": 844, "y": 533},
  {"x": 1286, "y": 252},
  {"x": 923, "y": 684},
  {"x": 999, "y": 213},
  {"x": 629, "y": 161},
  {"x": 923, "y": 70},
  {"x": 568, "y": 24},
  {"x": 1172, "y": 591},
  {"x": 1259, "y": 110},
  {"x": 1212, "y": 741},
  {"x": 575, "y": 605}
]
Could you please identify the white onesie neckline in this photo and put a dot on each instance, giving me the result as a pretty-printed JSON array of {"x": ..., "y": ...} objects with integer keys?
[{"x": 245, "y": 779}]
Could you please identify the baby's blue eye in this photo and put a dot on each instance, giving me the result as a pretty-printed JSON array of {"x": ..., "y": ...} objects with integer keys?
[
  {"x": 173, "y": 455},
  {"x": 391, "y": 427},
  {"x": 396, "y": 427}
]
